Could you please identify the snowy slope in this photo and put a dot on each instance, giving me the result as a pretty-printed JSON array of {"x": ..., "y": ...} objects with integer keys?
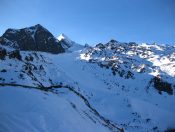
[
  {"x": 120, "y": 99},
  {"x": 26, "y": 110},
  {"x": 110, "y": 87},
  {"x": 32, "y": 76}
]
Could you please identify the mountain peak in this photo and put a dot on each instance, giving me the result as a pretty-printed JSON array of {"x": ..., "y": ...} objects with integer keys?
[
  {"x": 38, "y": 25},
  {"x": 113, "y": 41},
  {"x": 62, "y": 36},
  {"x": 65, "y": 41},
  {"x": 34, "y": 38}
]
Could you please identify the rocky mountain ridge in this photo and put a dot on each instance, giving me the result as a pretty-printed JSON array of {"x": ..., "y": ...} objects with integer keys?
[{"x": 34, "y": 38}]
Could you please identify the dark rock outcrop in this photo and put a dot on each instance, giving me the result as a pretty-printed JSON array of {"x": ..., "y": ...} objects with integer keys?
[
  {"x": 3, "y": 53},
  {"x": 35, "y": 38},
  {"x": 15, "y": 54},
  {"x": 161, "y": 85}
]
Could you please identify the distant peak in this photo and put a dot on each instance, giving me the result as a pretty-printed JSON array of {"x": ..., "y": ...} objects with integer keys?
[
  {"x": 62, "y": 37},
  {"x": 113, "y": 41},
  {"x": 38, "y": 25}
]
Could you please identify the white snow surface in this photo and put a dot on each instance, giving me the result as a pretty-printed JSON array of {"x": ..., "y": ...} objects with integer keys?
[{"x": 128, "y": 103}]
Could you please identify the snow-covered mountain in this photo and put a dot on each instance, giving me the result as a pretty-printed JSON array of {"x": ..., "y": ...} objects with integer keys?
[
  {"x": 68, "y": 44},
  {"x": 109, "y": 87}
]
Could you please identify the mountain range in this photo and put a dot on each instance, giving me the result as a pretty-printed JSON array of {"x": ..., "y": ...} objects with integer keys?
[{"x": 50, "y": 84}]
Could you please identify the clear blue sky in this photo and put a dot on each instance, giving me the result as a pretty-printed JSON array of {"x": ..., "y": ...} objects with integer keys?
[{"x": 94, "y": 21}]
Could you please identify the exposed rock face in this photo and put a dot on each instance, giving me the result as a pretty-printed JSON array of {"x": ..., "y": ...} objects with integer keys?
[
  {"x": 15, "y": 54},
  {"x": 161, "y": 85},
  {"x": 35, "y": 38},
  {"x": 3, "y": 53}
]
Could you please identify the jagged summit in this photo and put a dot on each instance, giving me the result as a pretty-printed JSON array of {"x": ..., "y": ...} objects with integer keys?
[
  {"x": 68, "y": 44},
  {"x": 62, "y": 36},
  {"x": 34, "y": 38},
  {"x": 65, "y": 41}
]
